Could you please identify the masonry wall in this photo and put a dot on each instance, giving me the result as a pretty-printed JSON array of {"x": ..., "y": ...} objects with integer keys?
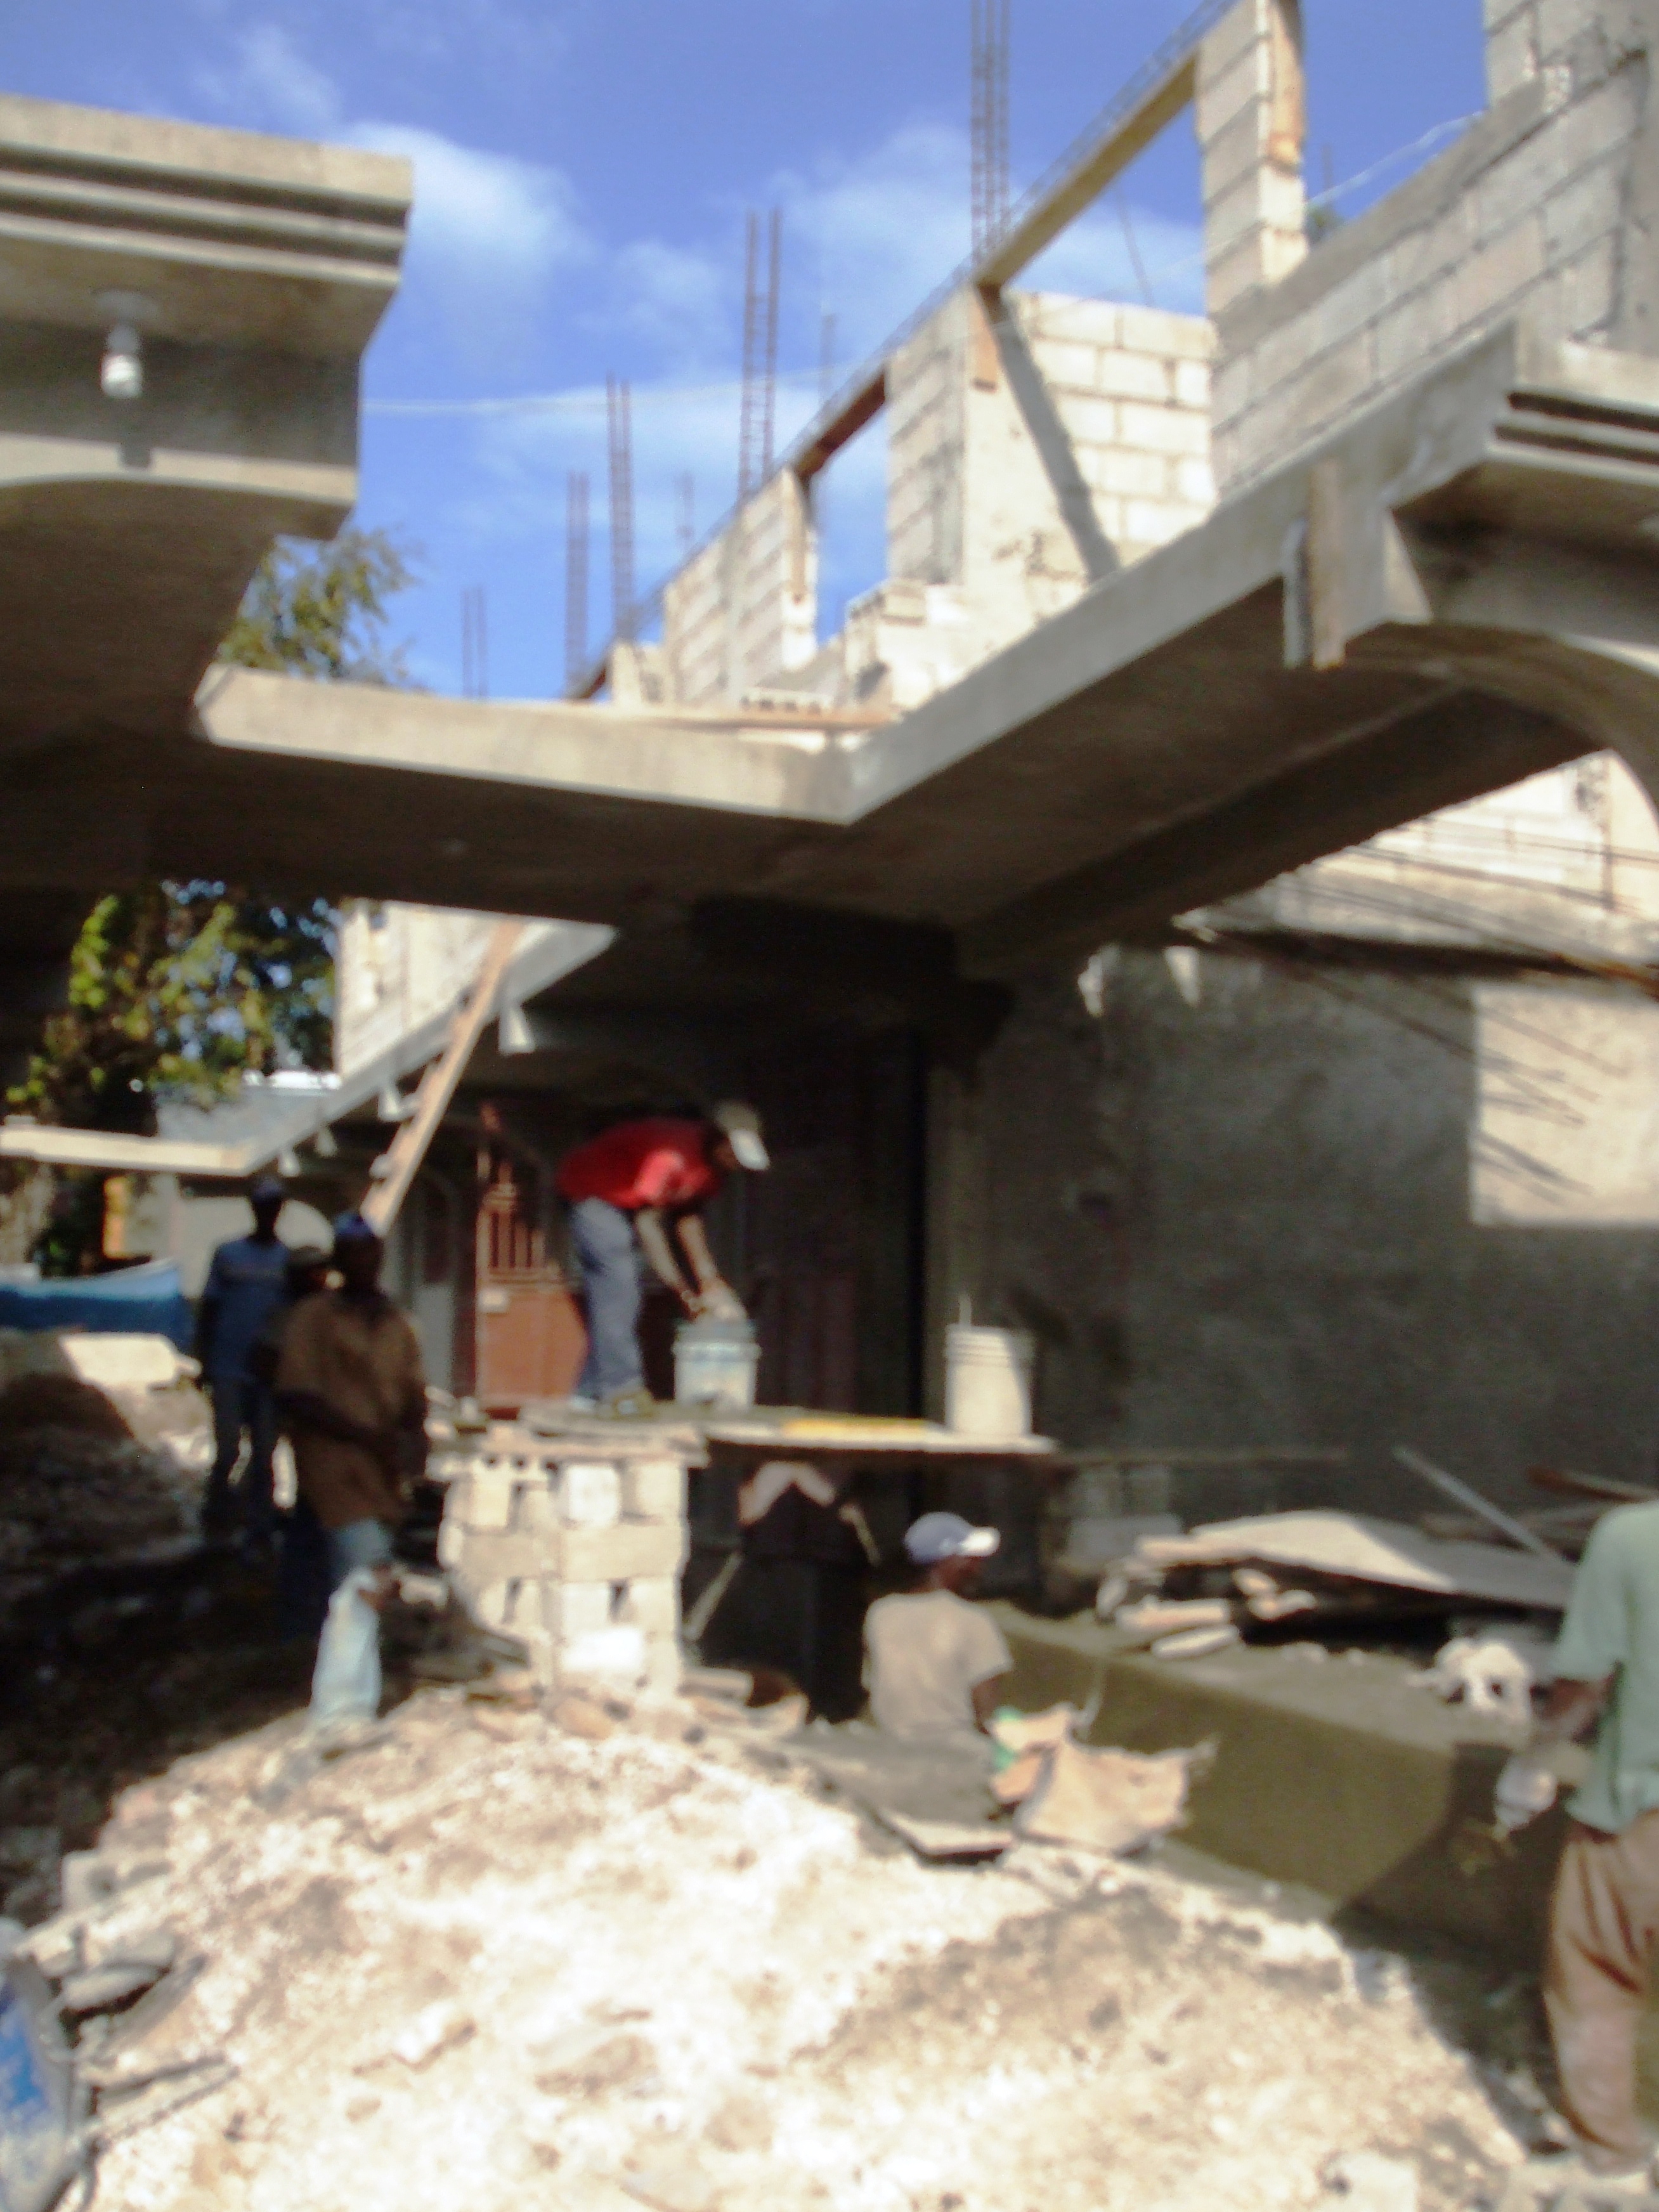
[
  {"x": 1030, "y": 457},
  {"x": 1543, "y": 210},
  {"x": 1247, "y": 1222},
  {"x": 744, "y": 612}
]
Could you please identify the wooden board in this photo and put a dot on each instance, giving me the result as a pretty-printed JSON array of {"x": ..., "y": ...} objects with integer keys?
[{"x": 1352, "y": 1547}]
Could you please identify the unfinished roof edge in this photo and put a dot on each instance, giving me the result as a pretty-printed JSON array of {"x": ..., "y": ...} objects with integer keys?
[{"x": 54, "y": 136}]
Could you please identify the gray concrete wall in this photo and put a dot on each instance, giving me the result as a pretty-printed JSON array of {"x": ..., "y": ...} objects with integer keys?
[
  {"x": 1544, "y": 209},
  {"x": 1247, "y": 1222}
]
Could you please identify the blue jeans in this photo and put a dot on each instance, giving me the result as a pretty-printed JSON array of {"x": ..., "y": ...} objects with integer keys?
[
  {"x": 239, "y": 1403},
  {"x": 359, "y": 1544},
  {"x": 608, "y": 1252}
]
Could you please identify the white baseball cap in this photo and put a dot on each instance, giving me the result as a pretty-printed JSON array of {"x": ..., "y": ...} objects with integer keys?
[{"x": 741, "y": 1127}]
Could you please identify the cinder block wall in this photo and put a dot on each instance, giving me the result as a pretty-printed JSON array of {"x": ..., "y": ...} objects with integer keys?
[
  {"x": 744, "y": 611},
  {"x": 1543, "y": 211},
  {"x": 1027, "y": 460}
]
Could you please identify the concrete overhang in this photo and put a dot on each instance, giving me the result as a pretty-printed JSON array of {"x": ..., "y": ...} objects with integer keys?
[
  {"x": 254, "y": 270},
  {"x": 1481, "y": 560}
]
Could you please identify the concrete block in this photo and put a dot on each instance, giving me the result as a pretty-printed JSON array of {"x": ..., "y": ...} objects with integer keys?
[
  {"x": 1163, "y": 429},
  {"x": 1410, "y": 334},
  {"x": 1560, "y": 21},
  {"x": 1195, "y": 483},
  {"x": 1421, "y": 256},
  {"x": 1582, "y": 211},
  {"x": 1511, "y": 52},
  {"x": 664, "y": 1668},
  {"x": 1348, "y": 306},
  {"x": 1059, "y": 315},
  {"x": 452, "y": 1538},
  {"x": 1338, "y": 382},
  {"x": 1240, "y": 29},
  {"x": 1245, "y": 88},
  {"x": 1088, "y": 422},
  {"x": 1191, "y": 384},
  {"x": 1232, "y": 272},
  {"x": 487, "y": 1503},
  {"x": 571, "y": 1609},
  {"x": 1066, "y": 366},
  {"x": 1237, "y": 148},
  {"x": 1150, "y": 522},
  {"x": 1496, "y": 274},
  {"x": 653, "y": 1603},
  {"x": 1239, "y": 214},
  {"x": 507, "y": 1606},
  {"x": 1129, "y": 475},
  {"x": 1590, "y": 291},
  {"x": 1134, "y": 375},
  {"x": 1231, "y": 384},
  {"x": 590, "y": 1494},
  {"x": 624, "y": 1553},
  {"x": 1161, "y": 331},
  {"x": 654, "y": 1490}
]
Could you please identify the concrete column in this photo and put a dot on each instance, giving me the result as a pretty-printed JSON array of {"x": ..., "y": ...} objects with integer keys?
[
  {"x": 1512, "y": 45},
  {"x": 1250, "y": 120}
]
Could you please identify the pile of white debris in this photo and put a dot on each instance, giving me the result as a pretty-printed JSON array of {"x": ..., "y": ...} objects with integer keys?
[{"x": 491, "y": 1961}]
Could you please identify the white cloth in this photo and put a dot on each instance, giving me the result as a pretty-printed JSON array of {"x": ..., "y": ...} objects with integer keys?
[{"x": 928, "y": 1651}]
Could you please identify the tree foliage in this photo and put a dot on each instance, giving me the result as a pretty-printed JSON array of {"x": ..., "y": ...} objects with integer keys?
[
  {"x": 178, "y": 990},
  {"x": 321, "y": 611}
]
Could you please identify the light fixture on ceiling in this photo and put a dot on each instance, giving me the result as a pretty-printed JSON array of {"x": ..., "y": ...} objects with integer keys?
[{"x": 121, "y": 372}]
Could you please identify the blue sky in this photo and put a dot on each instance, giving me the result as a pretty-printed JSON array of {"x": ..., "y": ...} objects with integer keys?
[{"x": 584, "y": 168}]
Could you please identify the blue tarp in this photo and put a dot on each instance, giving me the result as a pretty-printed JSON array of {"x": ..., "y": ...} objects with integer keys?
[{"x": 143, "y": 1301}]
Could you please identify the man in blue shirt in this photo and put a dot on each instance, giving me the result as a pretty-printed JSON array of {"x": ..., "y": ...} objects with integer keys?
[{"x": 246, "y": 1284}]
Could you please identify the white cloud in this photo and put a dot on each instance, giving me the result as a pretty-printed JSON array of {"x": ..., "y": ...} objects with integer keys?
[
  {"x": 488, "y": 234},
  {"x": 268, "y": 84},
  {"x": 679, "y": 300}
]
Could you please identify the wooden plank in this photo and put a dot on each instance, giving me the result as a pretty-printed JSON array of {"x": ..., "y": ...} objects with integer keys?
[
  {"x": 1566, "y": 1485},
  {"x": 1107, "y": 158},
  {"x": 94, "y": 1148},
  {"x": 1352, "y": 1547},
  {"x": 402, "y": 1158},
  {"x": 865, "y": 404}
]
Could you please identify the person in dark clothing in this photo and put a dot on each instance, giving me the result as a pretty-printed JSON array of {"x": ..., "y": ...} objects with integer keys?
[
  {"x": 302, "y": 1575},
  {"x": 796, "y": 1604},
  {"x": 244, "y": 1286}
]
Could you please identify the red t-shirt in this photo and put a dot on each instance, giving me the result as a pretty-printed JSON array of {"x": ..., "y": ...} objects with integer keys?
[{"x": 660, "y": 1163}]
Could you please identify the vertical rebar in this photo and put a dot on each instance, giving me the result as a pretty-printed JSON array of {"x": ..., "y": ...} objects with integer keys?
[
  {"x": 748, "y": 425},
  {"x": 769, "y": 375},
  {"x": 619, "y": 413},
  {"x": 576, "y": 578}
]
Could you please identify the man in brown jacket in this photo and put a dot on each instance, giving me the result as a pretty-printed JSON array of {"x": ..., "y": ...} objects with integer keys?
[{"x": 352, "y": 1392}]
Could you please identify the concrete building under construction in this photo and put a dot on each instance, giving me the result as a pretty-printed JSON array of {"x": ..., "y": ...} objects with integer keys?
[{"x": 1013, "y": 905}]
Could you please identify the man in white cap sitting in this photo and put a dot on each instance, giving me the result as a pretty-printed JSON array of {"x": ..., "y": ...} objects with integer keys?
[{"x": 936, "y": 1663}]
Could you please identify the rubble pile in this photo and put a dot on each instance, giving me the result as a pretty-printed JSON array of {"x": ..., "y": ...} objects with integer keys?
[
  {"x": 103, "y": 1443},
  {"x": 594, "y": 1956},
  {"x": 69, "y": 1494}
]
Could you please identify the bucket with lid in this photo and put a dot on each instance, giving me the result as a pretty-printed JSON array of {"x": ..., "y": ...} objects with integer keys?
[
  {"x": 987, "y": 1381},
  {"x": 715, "y": 1362}
]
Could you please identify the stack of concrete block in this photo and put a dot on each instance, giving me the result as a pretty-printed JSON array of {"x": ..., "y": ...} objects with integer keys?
[{"x": 573, "y": 1546}]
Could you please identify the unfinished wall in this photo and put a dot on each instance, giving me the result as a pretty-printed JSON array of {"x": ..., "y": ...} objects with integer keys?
[
  {"x": 1033, "y": 453},
  {"x": 744, "y": 612},
  {"x": 1246, "y": 1221},
  {"x": 1543, "y": 210},
  {"x": 1250, "y": 119}
]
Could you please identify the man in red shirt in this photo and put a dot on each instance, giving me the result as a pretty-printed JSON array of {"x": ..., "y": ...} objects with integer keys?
[{"x": 641, "y": 1187}]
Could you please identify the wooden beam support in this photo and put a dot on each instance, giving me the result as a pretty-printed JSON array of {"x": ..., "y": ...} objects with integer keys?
[
  {"x": 1082, "y": 184},
  {"x": 401, "y": 1162},
  {"x": 862, "y": 407}
]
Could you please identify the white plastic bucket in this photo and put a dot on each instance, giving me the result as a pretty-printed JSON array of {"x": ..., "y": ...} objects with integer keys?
[
  {"x": 987, "y": 1381},
  {"x": 714, "y": 1363}
]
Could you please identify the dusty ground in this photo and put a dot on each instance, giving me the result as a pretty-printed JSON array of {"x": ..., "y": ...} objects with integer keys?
[{"x": 669, "y": 1965}]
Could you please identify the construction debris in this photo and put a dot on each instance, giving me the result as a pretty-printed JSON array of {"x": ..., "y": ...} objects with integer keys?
[
  {"x": 451, "y": 1966},
  {"x": 1328, "y": 1566},
  {"x": 1107, "y": 1801}
]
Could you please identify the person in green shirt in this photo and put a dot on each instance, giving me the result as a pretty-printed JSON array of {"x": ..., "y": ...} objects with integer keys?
[{"x": 1604, "y": 1914}]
